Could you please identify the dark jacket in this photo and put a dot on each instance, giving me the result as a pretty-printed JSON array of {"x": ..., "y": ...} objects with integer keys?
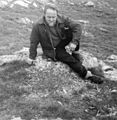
[{"x": 40, "y": 34}]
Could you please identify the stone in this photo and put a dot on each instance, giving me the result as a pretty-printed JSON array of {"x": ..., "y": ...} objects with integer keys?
[
  {"x": 84, "y": 21},
  {"x": 3, "y": 3},
  {"x": 21, "y": 3},
  {"x": 112, "y": 58},
  {"x": 16, "y": 118},
  {"x": 103, "y": 30},
  {"x": 24, "y": 20},
  {"x": 7, "y": 59},
  {"x": 88, "y": 60},
  {"x": 90, "y": 4},
  {"x": 35, "y": 5},
  {"x": 88, "y": 34}
]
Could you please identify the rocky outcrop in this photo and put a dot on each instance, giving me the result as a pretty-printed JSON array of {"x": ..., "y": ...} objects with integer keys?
[
  {"x": 54, "y": 85},
  {"x": 37, "y": 3},
  {"x": 90, "y": 4},
  {"x": 89, "y": 61},
  {"x": 112, "y": 58},
  {"x": 23, "y": 3}
]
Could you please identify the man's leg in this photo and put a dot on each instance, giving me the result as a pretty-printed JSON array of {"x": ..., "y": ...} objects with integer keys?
[{"x": 73, "y": 63}]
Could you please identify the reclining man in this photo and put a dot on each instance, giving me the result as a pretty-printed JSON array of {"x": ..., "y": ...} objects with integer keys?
[{"x": 54, "y": 32}]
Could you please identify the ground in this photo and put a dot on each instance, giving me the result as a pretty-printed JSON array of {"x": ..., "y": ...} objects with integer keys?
[{"x": 33, "y": 94}]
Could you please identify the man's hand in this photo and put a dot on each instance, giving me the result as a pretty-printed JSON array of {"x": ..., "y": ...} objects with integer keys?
[
  {"x": 30, "y": 61},
  {"x": 72, "y": 46}
]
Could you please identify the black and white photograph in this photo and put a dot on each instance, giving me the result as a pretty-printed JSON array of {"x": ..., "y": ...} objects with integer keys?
[{"x": 58, "y": 59}]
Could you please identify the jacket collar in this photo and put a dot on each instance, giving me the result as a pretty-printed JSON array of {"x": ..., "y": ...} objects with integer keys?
[{"x": 42, "y": 20}]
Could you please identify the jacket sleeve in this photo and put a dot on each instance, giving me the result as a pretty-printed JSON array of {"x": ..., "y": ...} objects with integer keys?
[
  {"x": 34, "y": 41},
  {"x": 76, "y": 30}
]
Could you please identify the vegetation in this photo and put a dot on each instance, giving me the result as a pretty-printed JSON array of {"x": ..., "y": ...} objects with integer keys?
[{"x": 55, "y": 94}]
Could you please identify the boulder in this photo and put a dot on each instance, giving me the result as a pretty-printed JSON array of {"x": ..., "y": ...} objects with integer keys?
[
  {"x": 23, "y": 3},
  {"x": 88, "y": 34},
  {"x": 3, "y": 3},
  {"x": 84, "y": 21},
  {"x": 24, "y": 20},
  {"x": 90, "y": 4},
  {"x": 88, "y": 60},
  {"x": 112, "y": 58},
  {"x": 16, "y": 118}
]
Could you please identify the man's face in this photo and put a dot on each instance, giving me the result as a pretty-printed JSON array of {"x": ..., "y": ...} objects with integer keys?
[{"x": 51, "y": 17}]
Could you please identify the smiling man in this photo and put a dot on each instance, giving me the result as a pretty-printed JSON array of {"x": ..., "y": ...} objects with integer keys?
[
  {"x": 55, "y": 33},
  {"x": 50, "y": 16}
]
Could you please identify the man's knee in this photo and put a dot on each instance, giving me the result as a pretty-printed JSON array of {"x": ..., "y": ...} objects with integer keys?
[{"x": 79, "y": 68}]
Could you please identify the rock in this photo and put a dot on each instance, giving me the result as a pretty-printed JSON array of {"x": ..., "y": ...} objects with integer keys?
[
  {"x": 87, "y": 34},
  {"x": 22, "y": 55},
  {"x": 71, "y": 3},
  {"x": 23, "y": 3},
  {"x": 103, "y": 30},
  {"x": 114, "y": 95},
  {"x": 25, "y": 52},
  {"x": 3, "y": 3},
  {"x": 16, "y": 118},
  {"x": 24, "y": 20},
  {"x": 89, "y": 61},
  {"x": 105, "y": 67},
  {"x": 35, "y": 5},
  {"x": 112, "y": 58},
  {"x": 109, "y": 71},
  {"x": 43, "y": 119},
  {"x": 84, "y": 21},
  {"x": 90, "y": 4},
  {"x": 58, "y": 119},
  {"x": 112, "y": 75},
  {"x": 7, "y": 58},
  {"x": 114, "y": 91}
]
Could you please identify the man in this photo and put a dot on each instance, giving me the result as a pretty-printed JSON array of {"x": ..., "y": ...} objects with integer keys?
[{"x": 55, "y": 33}]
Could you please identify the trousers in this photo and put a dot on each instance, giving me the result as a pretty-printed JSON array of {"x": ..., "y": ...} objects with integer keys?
[{"x": 63, "y": 56}]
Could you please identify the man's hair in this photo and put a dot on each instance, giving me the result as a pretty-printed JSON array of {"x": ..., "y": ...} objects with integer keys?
[{"x": 50, "y": 6}]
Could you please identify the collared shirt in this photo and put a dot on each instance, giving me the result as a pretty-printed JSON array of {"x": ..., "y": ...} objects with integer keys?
[{"x": 54, "y": 35}]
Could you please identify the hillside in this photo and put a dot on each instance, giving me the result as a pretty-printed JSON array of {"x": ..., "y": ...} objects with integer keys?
[
  {"x": 99, "y": 23},
  {"x": 52, "y": 91}
]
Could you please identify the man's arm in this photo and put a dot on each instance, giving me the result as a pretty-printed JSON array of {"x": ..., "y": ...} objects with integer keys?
[
  {"x": 34, "y": 41},
  {"x": 76, "y": 30}
]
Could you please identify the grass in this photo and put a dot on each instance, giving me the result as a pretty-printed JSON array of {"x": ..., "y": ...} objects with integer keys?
[{"x": 34, "y": 94}]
